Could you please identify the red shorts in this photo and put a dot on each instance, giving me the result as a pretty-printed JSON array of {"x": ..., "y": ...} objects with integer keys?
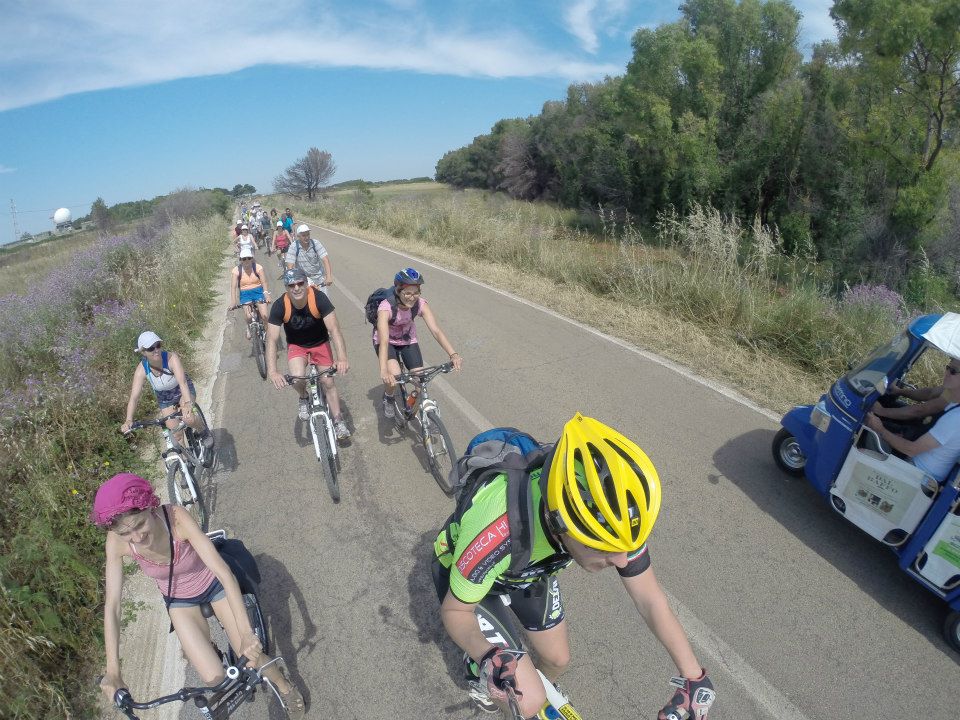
[{"x": 321, "y": 355}]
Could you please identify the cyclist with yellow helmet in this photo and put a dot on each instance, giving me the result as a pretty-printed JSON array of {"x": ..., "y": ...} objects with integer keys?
[{"x": 594, "y": 502}]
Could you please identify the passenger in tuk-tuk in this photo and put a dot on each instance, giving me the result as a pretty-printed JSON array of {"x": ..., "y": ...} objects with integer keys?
[
  {"x": 936, "y": 451},
  {"x": 911, "y": 420}
]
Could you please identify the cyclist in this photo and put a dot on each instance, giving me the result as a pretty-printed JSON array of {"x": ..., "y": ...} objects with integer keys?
[
  {"x": 245, "y": 239},
  {"x": 170, "y": 547},
  {"x": 287, "y": 221},
  {"x": 265, "y": 229},
  {"x": 309, "y": 327},
  {"x": 236, "y": 230},
  {"x": 310, "y": 256},
  {"x": 171, "y": 385},
  {"x": 250, "y": 284},
  {"x": 273, "y": 214},
  {"x": 401, "y": 332},
  {"x": 281, "y": 238},
  {"x": 593, "y": 502}
]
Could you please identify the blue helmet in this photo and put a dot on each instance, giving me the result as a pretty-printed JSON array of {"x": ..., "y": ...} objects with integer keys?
[{"x": 408, "y": 276}]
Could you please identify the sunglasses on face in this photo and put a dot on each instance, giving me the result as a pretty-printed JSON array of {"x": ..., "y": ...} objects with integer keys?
[
  {"x": 153, "y": 348},
  {"x": 296, "y": 284},
  {"x": 953, "y": 370}
]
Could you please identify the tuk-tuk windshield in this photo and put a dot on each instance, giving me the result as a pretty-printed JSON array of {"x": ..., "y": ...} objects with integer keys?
[{"x": 865, "y": 376}]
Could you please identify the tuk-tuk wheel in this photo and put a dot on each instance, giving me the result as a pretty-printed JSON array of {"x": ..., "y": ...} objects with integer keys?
[
  {"x": 787, "y": 453},
  {"x": 951, "y": 630}
]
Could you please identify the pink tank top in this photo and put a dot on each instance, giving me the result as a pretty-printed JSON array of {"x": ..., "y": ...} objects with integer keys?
[{"x": 191, "y": 577}]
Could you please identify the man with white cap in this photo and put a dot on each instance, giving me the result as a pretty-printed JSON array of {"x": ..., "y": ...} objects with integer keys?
[
  {"x": 310, "y": 256},
  {"x": 170, "y": 383}
]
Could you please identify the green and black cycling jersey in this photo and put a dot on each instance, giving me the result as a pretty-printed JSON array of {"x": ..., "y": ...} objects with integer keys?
[{"x": 477, "y": 550}]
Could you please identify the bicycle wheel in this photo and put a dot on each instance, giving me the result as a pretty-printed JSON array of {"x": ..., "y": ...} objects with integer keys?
[
  {"x": 439, "y": 449},
  {"x": 195, "y": 442},
  {"x": 260, "y": 351},
  {"x": 184, "y": 491},
  {"x": 328, "y": 464}
]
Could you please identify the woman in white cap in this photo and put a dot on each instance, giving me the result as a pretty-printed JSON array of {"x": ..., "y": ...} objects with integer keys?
[
  {"x": 170, "y": 383},
  {"x": 245, "y": 240},
  {"x": 249, "y": 285}
]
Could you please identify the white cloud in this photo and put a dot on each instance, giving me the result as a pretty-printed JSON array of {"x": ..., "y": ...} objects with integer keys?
[
  {"x": 5, "y": 169},
  {"x": 63, "y": 47},
  {"x": 583, "y": 17}
]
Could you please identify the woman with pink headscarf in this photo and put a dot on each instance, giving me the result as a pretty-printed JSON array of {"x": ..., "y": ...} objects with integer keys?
[{"x": 140, "y": 528}]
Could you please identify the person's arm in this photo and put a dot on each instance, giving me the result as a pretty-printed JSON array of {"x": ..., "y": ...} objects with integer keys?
[
  {"x": 383, "y": 353},
  {"x": 327, "y": 271},
  {"x": 910, "y": 448},
  {"x": 113, "y": 590},
  {"x": 339, "y": 347},
  {"x": 263, "y": 280},
  {"x": 434, "y": 327},
  {"x": 139, "y": 378},
  {"x": 651, "y": 603},
  {"x": 919, "y": 394},
  {"x": 187, "y": 529},
  {"x": 913, "y": 411},
  {"x": 234, "y": 287},
  {"x": 273, "y": 334}
]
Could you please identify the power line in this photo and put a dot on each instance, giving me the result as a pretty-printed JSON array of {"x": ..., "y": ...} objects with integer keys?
[{"x": 52, "y": 210}]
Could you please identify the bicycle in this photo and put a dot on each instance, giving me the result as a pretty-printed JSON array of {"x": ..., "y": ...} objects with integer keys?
[
  {"x": 321, "y": 426},
  {"x": 441, "y": 455},
  {"x": 498, "y": 629},
  {"x": 182, "y": 462},
  {"x": 258, "y": 334}
]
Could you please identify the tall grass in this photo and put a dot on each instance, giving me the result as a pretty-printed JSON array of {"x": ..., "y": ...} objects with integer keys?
[
  {"x": 733, "y": 282},
  {"x": 65, "y": 366}
]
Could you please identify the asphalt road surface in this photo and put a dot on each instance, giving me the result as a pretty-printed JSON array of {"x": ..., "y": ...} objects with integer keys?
[{"x": 795, "y": 613}]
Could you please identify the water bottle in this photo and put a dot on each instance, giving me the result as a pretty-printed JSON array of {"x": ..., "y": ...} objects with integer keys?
[{"x": 411, "y": 400}]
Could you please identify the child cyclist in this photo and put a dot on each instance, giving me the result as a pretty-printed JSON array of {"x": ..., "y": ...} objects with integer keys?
[{"x": 396, "y": 322}]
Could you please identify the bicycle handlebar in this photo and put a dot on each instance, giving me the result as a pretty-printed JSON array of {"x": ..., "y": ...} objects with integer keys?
[
  {"x": 424, "y": 375},
  {"x": 249, "y": 302},
  {"x": 159, "y": 422},
  {"x": 328, "y": 372}
]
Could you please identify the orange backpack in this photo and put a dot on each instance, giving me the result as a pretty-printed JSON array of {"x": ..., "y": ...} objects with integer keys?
[{"x": 311, "y": 304}]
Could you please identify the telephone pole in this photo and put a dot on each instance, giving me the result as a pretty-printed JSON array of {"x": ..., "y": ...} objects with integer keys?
[{"x": 16, "y": 225}]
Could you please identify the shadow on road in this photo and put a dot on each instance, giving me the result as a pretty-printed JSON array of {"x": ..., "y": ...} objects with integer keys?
[
  {"x": 425, "y": 614},
  {"x": 277, "y": 589},
  {"x": 387, "y": 431},
  {"x": 747, "y": 462}
]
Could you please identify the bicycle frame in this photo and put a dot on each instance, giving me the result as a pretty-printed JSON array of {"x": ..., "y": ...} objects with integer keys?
[
  {"x": 319, "y": 410},
  {"x": 421, "y": 379}
]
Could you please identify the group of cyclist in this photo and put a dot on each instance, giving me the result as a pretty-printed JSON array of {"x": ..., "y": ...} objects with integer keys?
[{"x": 592, "y": 502}]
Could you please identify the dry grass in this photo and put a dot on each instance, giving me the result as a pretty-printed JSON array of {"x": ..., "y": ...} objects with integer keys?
[{"x": 34, "y": 262}]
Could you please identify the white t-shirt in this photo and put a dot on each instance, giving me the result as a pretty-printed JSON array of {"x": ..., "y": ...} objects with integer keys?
[
  {"x": 246, "y": 241},
  {"x": 940, "y": 461},
  {"x": 309, "y": 259}
]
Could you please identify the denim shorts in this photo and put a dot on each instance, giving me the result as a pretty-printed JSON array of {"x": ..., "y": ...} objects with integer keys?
[
  {"x": 211, "y": 594},
  {"x": 252, "y": 295},
  {"x": 169, "y": 398}
]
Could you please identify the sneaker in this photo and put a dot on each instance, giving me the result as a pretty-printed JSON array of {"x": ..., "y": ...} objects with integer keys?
[
  {"x": 304, "y": 412},
  {"x": 388, "y": 410},
  {"x": 480, "y": 697},
  {"x": 340, "y": 429},
  {"x": 691, "y": 700}
]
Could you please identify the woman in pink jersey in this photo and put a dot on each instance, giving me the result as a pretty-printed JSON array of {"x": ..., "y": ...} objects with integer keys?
[{"x": 141, "y": 529}]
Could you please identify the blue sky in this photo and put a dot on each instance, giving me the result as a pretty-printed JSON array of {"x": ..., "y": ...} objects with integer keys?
[{"x": 127, "y": 99}]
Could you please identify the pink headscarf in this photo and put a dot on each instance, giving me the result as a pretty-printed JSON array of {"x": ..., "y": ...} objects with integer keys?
[{"x": 120, "y": 494}]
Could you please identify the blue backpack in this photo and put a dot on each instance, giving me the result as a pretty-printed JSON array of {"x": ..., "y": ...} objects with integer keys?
[
  {"x": 502, "y": 451},
  {"x": 165, "y": 368}
]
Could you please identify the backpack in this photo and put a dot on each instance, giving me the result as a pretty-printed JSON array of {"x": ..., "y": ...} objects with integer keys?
[
  {"x": 240, "y": 561},
  {"x": 311, "y": 305},
  {"x": 165, "y": 367},
  {"x": 388, "y": 294},
  {"x": 516, "y": 454},
  {"x": 255, "y": 272}
]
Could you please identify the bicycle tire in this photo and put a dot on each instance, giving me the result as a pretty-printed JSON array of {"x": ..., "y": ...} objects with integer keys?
[
  {"x": 328, "y": 464},
  {"x": 260, "y": 351},
  {"x": 179, "y": 492},
  {"x": 442, "y": 459},
  {"x": 200, "y": 451}
]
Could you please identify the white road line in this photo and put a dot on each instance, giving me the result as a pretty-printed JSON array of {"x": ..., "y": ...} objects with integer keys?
[
  {"x": 713, "y": 650},
  {"x": 652, "y": 357}
]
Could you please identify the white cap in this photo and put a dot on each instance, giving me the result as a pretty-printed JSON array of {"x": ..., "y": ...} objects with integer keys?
[
  {"x": 244, "y": 227},
  {"x": 147, "y": 339},
  {"x": 279, "y": 224},
  {"x": 303, "y": 228},
  {"x": 246, "y": 252}
]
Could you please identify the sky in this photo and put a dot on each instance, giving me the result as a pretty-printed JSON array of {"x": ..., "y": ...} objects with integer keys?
[{"x": 126, "y": 99}]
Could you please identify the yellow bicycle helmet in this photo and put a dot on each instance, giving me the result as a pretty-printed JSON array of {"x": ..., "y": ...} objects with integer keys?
[{"x": 602, "y": 488}]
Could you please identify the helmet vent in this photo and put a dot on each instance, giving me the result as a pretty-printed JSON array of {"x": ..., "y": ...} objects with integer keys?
[{"x": 636, "y": 469}]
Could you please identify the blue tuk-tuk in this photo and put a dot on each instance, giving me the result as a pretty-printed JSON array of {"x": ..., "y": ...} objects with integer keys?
[{"x": 887, "y": 497}]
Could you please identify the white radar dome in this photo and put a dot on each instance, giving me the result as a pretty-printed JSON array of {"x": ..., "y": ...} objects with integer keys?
[{"x": 62, "y": 216}]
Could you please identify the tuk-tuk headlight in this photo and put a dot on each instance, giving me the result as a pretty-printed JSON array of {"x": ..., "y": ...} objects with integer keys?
[{"x": 819, "y": 417}]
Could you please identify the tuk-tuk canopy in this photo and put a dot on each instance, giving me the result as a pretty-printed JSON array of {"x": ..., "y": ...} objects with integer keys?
[{"x": 941, "y": 331}]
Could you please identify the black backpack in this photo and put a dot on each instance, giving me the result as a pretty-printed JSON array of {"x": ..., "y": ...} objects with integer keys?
[
  {"x": 516, "y": 454},
  {"x": 377, "y": 297}
]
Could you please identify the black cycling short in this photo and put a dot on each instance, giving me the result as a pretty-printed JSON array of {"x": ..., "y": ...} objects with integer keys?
[
  {"x": 538, "y": 606},
  {"x": 410, "y": 354}
]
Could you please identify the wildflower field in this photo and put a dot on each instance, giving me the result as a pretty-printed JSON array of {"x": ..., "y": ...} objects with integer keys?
[
  {"x": 66, "y": 360},
  {"x": 760, "y": 309}
]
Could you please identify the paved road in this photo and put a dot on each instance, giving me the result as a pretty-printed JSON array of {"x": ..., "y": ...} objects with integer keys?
[{"x": 795, "y": 613}]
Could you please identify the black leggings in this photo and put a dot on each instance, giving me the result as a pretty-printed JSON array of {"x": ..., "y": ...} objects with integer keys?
[{"x": 410, "y": 354}]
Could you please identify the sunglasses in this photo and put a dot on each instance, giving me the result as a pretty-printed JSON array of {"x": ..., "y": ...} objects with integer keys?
[
  {"x": 953, "y": 370},
  {"x": 245, "y": 259},
  {"x": 153, "y": 348},
  {"x": 299, "y": 284}
]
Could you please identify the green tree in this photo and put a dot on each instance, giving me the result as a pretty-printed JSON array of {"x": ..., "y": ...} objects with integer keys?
[{"x": 101, "y": 215}]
